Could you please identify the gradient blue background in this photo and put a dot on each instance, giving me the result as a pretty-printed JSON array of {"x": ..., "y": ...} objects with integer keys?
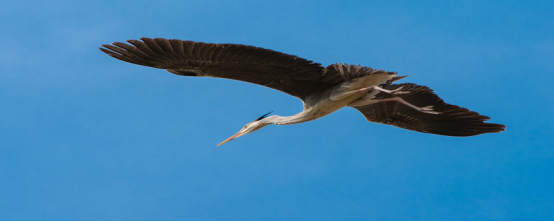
[{"x": 84, "y": 136}]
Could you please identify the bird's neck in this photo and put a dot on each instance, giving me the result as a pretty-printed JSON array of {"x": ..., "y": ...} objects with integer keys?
[{"x": 301, "y": 117}]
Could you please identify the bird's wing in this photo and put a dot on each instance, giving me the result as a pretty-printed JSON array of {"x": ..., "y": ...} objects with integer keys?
[
  {"x": 290, "y": 74},
  {"x": 337, "y": 73},
  {"x": 453, "y": 120}
]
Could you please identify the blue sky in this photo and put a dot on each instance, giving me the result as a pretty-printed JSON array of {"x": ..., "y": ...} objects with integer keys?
[{"x": 87, "y": 137}]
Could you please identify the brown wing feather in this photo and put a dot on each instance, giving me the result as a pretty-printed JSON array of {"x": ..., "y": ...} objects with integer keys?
[
  {"x": 453, "y": 120},
  {"x": 290, "y": 74},
  {"x": 337, "y": 73}
]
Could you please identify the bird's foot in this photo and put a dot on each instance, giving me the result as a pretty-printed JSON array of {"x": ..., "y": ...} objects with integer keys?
[{"x": 428, "y": 109}]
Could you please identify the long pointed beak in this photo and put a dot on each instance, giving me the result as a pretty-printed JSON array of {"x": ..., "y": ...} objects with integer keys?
[{"x": 230, "y": 138}]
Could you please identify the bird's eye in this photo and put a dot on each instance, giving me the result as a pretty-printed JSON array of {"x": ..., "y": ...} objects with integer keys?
[{"x": 245, "y": 126}]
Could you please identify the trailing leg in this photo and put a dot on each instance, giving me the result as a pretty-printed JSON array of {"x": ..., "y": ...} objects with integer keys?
[{"x": 426, "y": 109}]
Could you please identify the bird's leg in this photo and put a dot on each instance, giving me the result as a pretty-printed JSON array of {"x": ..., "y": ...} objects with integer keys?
[
  {"x": 363, "y": 102},
  {"x": 341, "y": 95},
  {"x": 338, "y": 95},
  {"x": 426, "y": 109},
  {"x": 367, "y": 100},
  {"x": 395, "y": 91}
]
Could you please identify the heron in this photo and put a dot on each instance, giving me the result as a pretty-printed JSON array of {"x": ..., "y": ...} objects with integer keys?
[{"x": 323, "y": 90}]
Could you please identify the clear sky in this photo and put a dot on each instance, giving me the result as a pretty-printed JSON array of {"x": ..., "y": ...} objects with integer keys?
[{"x": 84, "y": 136}]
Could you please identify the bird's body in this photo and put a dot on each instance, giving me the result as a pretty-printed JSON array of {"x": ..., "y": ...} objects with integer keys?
[
  {"x": 318, "y": 105},
  {"x": 323, "y": 90},
  {"x": 323, "y": 103}
]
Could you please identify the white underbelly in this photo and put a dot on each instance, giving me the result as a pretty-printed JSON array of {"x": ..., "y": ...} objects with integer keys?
[{"x": 328, "y": 106}]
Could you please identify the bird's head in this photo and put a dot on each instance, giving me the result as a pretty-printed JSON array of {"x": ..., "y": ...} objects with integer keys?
[{"x": 250, "y": 127}]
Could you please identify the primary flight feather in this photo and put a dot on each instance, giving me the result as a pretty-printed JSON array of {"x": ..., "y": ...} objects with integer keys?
[{"x": 322, "y": 89}]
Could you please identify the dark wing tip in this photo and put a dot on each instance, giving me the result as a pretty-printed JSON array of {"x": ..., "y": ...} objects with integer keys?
[
  {"x": 145, "y": 53},
  {"x": 465, "y": 130},
  {"x": 456, "y": 121}
]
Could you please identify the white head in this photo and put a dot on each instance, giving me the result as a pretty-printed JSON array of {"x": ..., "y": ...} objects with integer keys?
[{"x": 250, "y": 127}]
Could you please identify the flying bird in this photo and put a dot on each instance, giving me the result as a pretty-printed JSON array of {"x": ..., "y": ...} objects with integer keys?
[{"x": 323, "y": 90}]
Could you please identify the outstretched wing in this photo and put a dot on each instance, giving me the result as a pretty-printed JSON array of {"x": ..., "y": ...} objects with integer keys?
[
  {"x": 290, "y": 74},
  {"x": 453, "y": 120},
  {"x": 337, "y": 73}
]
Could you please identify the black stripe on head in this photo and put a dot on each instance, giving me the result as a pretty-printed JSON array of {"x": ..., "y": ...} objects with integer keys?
[{"x": 264, "y": 116}]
